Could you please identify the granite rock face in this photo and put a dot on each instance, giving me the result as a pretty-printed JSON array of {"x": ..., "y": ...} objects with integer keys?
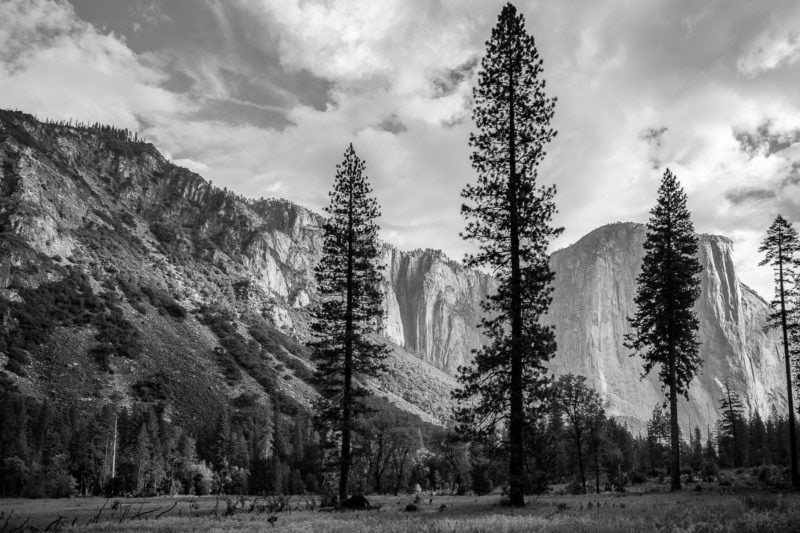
[
  {"x": 117, "y": 209},
  {"x": 594, "y": 289},
  {"x": 94, "y": 200},
  {"x": 433, "y": 306}
]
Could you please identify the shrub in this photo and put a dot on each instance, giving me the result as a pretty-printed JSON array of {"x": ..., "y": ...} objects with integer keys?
[
  {"x": 710, "y": 469},
  {"x": 128, "y": 219},
  {"x": 537, "y": 482},
  {"x": 151, "y": 389},
  {"x": 115, "y": 335},
  {"x": 249, "y": 355},
  {"x": 14, "y": 366},
  {"x": 231, "y": 371},
  {"x": 764, "y": 501},
  {"x": 65, "y": 303},
  {"x": 245, "y": 400},
  {"x": 164, "y": 302},
  {"x": 574, "y": 488},
  {"x": 19, "y": 355},
  {"x": 767, "y": 474},
  {"x": 202, "y": 479},
  {"x": 278, "y": 344},
  {"x": 165, "y": 234},
  {"x": 481, "y": 481},
  {"x": 637, "y": 477}
]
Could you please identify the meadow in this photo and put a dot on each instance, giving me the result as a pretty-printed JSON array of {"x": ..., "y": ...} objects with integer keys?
[{"x": 651, "y": 508}]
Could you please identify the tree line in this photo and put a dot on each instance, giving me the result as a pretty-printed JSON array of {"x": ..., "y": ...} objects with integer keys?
[
  {"x": 50, "y": 450},
  {"x": 516, "y": 426}
]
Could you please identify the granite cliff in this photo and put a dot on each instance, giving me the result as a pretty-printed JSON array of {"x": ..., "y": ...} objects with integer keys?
[
  {"x": 97, "y": 202},
  {"x": 594, "y": 289},
  {"x": 211, "y": 289}
]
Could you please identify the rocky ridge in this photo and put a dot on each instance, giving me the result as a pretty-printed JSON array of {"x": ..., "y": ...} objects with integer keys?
[{"x": 116, "y": 209}]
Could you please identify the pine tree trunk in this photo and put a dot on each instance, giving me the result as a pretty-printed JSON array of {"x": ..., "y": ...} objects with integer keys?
[
  {"x": 673, "y": 419},
  {"x": 596, "y": 470},
  {"x": 114, "y": 452},
  {"x": 580, "y": 463},
  {"x": 344, "y": 469},
  {"x": 784, "y": 327},
  {"x": 517, "y": 414}
]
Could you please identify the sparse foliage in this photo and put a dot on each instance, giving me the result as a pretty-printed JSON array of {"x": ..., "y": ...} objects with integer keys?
[{"x": 583, "y": 410}]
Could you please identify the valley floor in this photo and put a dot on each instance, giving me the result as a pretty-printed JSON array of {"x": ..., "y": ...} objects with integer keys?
[{"x": 689, "y": 511}]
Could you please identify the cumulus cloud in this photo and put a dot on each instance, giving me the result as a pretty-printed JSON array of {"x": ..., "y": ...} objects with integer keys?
[
  {"x": 262, "y": 96},
  {"x": 776, "y": 46},
  {"x": 60, "y": 67}
]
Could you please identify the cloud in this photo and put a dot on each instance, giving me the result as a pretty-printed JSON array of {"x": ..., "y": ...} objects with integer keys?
[
  {"x": 195, "y": 166},
  {"x": 60, "y": 67},
  {"x": 369, "y": 42},
  {"x": 765, "y": 141},
  {"x": 776, "y": 46},
  {"x": 262, "y": 96}
]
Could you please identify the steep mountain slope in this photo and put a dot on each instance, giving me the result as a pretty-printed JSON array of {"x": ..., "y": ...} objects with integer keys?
[
  {"x": 149, "y": 274},
  {"x": 212, "y": 291}
]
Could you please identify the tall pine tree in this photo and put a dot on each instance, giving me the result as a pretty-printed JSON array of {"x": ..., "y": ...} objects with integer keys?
[
  {"x": 508, "y": 216},
  {"x": 780, "y": 248},
  {"x": 665, "y": 324},
  {"x": 348, "y": 280}
]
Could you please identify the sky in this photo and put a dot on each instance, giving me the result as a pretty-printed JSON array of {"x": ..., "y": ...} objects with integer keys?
[{"x": 263, "y": 97}]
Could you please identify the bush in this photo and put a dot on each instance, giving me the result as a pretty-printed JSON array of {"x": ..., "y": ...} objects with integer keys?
[
  {"x": 762, "y": 501},
  {"x": 637, "y": 477},
  {"x": 165, "y": 234},
  {"x": 278, "y": 344},
  {"x": 202, "y": 479},
  {"x": 69, "y": 302},
  {"x": 481, "y": 481},
  {"x": 574, "y": 488},
  {"x": 164, "y": 302},
  {"x": 537, "y": 482},
  {"x": 151, "y": 389},
  {"x": 128, "y": 219},
  {"x": 246, "y": 400},
  {"x": 238, "y": 483},
  {"x": 19, "y": 355},
  {"x": 710, "y": 469},
  {"x": 14, "y": 366},
  {"x": 231, "y": 371},
  {"x": 247, "y": 355},
  {"x": 767, "y": 473}
]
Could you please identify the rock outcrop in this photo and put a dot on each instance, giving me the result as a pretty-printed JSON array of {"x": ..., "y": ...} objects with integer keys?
[
  {"x": 594, "y": 289},
  {"x": 118, "y": 210},
  {"x": 433, "y": 306}
]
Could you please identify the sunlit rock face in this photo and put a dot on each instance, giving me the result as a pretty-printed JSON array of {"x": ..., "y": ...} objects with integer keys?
[
  {"x": 116, "y": 209},
  {"x": 594, "y": 289},
  {"x": 433, "y": 306}
]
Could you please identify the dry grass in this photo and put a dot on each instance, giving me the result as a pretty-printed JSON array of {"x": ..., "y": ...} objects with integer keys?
[{"x": 664, "y": 512}]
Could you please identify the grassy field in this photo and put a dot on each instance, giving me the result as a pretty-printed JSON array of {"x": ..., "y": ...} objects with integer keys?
[{"x": 689, "y": 511}]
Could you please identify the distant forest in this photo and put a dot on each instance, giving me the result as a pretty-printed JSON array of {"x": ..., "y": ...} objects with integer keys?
[{"x": 49, "y": 450}]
